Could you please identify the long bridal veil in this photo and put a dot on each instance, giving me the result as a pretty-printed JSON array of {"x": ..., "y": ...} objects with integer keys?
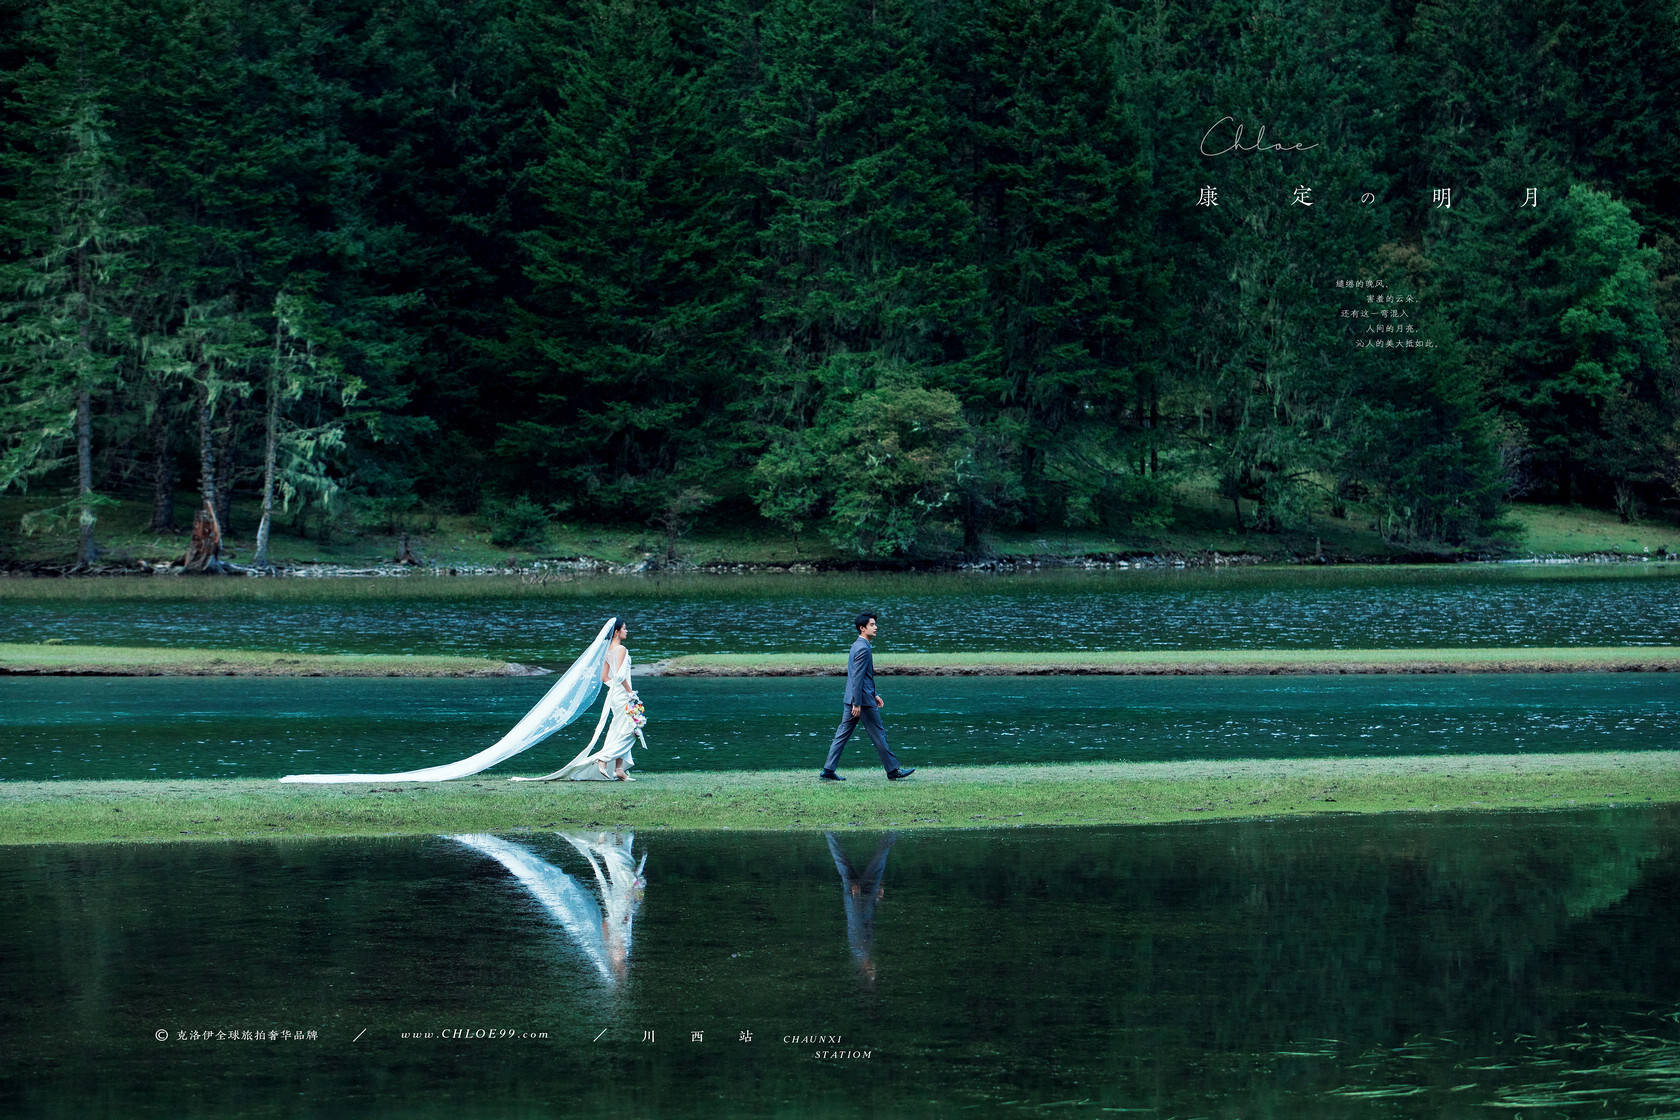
[
  {"x": 571, "y": 695},
  {"x": 601, "y": 927}
]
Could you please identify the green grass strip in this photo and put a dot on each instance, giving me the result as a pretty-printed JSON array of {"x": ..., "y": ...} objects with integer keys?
[
  {"x": 936, "y": 797},
  {"x": 72, "y": 660},
  {"x": 1191, "y": 662}
]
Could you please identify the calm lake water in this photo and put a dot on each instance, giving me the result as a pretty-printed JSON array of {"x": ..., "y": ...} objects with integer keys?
[
  {"x": 1294, "y": 608},
  {"x": 120, "y": 727},
  {"x": 1408, "y": 966}
]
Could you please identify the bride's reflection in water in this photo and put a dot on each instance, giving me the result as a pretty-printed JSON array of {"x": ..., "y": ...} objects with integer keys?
[
  {"x": 860, "y": 893},
  {"x": 601, "y": 926}
]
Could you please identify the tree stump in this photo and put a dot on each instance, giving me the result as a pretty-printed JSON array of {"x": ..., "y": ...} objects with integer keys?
[{"x": 204, "y": 553}]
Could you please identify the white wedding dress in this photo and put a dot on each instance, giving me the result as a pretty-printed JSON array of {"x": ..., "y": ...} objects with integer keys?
[
  {"x": 570, "y": 697},
  {"x": 621, "y": 735}
]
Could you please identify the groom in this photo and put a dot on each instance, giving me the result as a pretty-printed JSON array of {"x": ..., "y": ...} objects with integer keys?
[{"x": 861, "y": 703}]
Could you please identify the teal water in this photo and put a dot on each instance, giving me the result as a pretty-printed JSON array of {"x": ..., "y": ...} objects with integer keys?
[
  {"x": 1238, "y": 609},
  {"x": 1388, "y": 967},
  {"x": 159, "y": 727}
]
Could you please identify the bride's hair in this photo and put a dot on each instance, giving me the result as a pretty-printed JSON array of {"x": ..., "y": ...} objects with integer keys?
[{"x": 619, "y": 623}]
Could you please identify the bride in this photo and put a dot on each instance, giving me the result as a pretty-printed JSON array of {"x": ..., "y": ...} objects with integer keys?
[
  {"x": 570, "y": 697},
  {"x": 624, "y": 708}
]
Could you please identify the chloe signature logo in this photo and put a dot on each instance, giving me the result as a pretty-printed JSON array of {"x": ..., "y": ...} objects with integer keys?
[{"x": 1230, "y": 129}]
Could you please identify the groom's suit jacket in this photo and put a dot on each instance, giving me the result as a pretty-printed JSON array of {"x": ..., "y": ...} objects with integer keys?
[{"x": 860, "y": 675}]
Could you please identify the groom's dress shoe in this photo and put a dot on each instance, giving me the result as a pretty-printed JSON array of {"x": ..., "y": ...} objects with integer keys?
[
  {"x": 899, "y": 775},
  {"x": 830, "y": 776}
]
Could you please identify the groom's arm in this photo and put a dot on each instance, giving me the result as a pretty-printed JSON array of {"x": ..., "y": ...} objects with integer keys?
[
  {"x": 854, "y": 677},
  {"x": 860, "y": 677},
  {"x": 867, "y": 693}
]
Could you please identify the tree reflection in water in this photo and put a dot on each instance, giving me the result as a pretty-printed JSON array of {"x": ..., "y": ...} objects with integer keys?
[{"x": 1366, "y": 967}]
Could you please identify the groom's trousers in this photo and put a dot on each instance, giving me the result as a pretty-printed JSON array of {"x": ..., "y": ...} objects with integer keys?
[{"x": 871, "y": 720}]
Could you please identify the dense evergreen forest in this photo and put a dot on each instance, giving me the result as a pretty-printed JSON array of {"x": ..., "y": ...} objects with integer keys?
[{"x": 894, "y": 273}]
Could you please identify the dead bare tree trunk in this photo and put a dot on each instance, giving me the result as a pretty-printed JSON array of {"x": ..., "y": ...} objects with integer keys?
[
  {"x": 271, "y": 442},
  {"x": 206, "y": 456},
  {"x": 204, "y": 554},
  {"x": 86, "y": 552},
  {"x": 227, "y": 457},
  {"x": 163, "y": 478}
]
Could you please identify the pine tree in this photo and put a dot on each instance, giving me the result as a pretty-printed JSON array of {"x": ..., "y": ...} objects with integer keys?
[
  {"x": 65, "y": 323},
  {"x": 632, "y": 320},
  {"x": 438, "y": 107},
  {"x": 1263, "y": 360},
  {"x": 1565, "y": 333},
  {"x": 1049, "y": 161}
]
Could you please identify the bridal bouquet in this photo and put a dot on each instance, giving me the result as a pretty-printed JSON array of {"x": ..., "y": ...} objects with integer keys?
[{"x": 637, "y": 712}]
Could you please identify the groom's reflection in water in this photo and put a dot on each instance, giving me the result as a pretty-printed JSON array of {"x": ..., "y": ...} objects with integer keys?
[
  {"x": 599, "y": 923},
  {"x": 860, "y": 893}
]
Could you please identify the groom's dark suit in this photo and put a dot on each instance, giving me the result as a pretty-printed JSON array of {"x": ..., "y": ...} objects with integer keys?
[{"x": 860, "y": 691}]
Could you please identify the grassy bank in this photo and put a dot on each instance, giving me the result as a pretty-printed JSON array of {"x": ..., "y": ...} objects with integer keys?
[
  {"x": 945, "y": 797},
  {"x": 74, "y": 660},
  {"x": 1192, "y": 662},
  {"x": 133, "y": 661}
]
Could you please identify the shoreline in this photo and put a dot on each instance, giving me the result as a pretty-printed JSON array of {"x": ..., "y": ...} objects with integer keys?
[
  {"x": 938, "y": 797},
  {"x": 1191, "y": 663},
  {"x": 1003, "y": 561},
  {"x": 44, "y": 660},
  {"x": 22, "y": 660},
  {"x": 539, "y": 567}
]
